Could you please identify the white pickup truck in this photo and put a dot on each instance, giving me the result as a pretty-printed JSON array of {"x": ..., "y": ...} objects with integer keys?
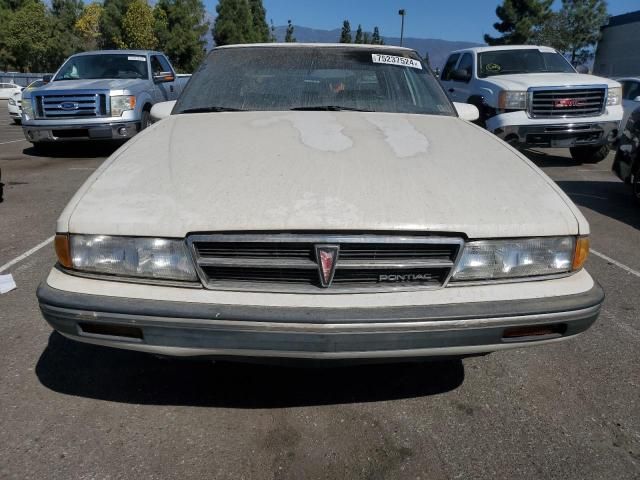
[
  {"x": 102, "y": 95},
  {"x": 531, "y": 96}
]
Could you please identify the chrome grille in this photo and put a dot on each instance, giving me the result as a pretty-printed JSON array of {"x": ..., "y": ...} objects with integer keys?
[
  {"x": 567, "y": 102},
  {"x": 288, "y": 263},
  {"x": 59, "y": 105}
]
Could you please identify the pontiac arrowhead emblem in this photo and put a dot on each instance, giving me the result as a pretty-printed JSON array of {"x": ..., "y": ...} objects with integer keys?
[{"x": 327, "y": 258}]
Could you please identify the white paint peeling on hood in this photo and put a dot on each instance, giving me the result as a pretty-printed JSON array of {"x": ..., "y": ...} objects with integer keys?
[
  {"x": 400, "y": 135},
  {"x": 322, "y": 132},
  {"x": 312, "y": 171}
]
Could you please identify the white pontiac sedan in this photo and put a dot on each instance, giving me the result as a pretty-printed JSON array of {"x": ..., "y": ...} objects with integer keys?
[{"x": 323, "y": 202}]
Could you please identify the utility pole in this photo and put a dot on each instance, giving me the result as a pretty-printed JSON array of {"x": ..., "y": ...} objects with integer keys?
[{"x": 402, "y": 12}]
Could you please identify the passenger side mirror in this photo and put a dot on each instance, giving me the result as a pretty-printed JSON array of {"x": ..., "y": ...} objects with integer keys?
[
  {"x": 47, "y": 78},
  {"x": 162, "y": 77},
  {"x": 161, "y": 110},
  {"x": 466, "y": 111},
  {"x": 461, "y": 75},
  {"x": 637, "y": 99}
]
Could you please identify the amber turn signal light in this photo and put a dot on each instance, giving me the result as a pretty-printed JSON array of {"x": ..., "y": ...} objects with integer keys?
[
  {"x": 581, "y": 253},
  {"x": 63, "y": 251}
]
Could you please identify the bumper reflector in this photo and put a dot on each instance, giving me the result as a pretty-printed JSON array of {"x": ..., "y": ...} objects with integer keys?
[{"x": 533, "y": 332}]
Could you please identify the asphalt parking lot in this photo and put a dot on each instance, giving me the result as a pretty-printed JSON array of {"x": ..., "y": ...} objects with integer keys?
[{"x": 570, "y": 410}]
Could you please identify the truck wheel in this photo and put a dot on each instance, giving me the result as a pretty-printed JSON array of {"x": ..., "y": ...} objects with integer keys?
[
  {"x": 589, "y": 154},
  {"x": 17, "y": 121},
  {"x": 145, "y": 119},
  {"x": 41, "y": 148}
]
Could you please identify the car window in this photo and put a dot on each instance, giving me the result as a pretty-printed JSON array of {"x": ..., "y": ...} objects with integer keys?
[
  {"x": 159, "y": 64},
  {"x": 449, "y": 66},
  {"x": 299, "y": 78},
  {"x": 105, "y": 66},
  {"x": 525, "y": 60},
  {"x": 466, "y": 63}
]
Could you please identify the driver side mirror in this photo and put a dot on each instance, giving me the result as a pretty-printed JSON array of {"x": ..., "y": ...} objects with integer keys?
[
  {"x": 637, "y": 99},
  {"x": 466, "y": 111},
  {"x": 162, "y": 77},
  {"x": 161, "y": 110},
  {"x": 47, "y": 78},
  {"x": 461, "y": 75}
]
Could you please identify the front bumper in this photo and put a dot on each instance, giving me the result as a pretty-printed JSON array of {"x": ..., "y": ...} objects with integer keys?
[
  {"x": 80, "y": 132},
  {"x": 220, "y": 330},
  {"x": 519, "y": 129}
]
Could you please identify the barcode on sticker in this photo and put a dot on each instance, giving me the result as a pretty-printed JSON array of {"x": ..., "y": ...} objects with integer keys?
[
  {"x": 137, "y": 59},
  {"x": 395, "y": 60}
]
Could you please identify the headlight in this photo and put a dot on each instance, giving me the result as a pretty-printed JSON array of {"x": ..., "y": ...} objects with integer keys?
[
  {"x": 614, "y": 94},
  {"x": 500, "y": 259},
  {"x": 12, "y": 101},
  {"x": 155, "y": 258},
  {"x": 27, "y": 108},
  {"x": 512, "y": 100},
  {"x": 122, "y": 103}
]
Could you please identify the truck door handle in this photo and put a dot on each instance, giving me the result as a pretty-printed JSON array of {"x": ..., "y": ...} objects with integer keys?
[
  {"x": 452, "y": 90},
  {"x": 171, "y": 88}
]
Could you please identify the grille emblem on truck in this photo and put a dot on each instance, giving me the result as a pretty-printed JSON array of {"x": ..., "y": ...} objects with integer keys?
[
  {"x": 568, "y": 102},
  {"x": 69, "y": 106},
  {"x": 327, "y": 258}
]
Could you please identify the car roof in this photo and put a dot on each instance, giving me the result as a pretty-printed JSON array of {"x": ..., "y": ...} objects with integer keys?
[
  {"x": 364, "y": 46},
  {"x": 505, "y": 47},
  {"x": 120, "y": 52}
]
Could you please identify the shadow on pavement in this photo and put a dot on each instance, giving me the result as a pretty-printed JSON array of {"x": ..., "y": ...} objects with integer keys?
[
  {"x": 115, "y": 375},
  {"x": 611, "y": 198},
  {"x": 73, "y": 150},
  {"x": 543, "y": 160}
]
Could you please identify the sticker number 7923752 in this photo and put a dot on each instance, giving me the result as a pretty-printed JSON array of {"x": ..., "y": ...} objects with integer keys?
[{"x": 395, "y": 60}]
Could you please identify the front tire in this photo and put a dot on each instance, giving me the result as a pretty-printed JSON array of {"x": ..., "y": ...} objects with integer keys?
[
  {"x": 145, "y": 119},
  {"x": 17, "y": 121},
  {"x": 590, "y": 154}
]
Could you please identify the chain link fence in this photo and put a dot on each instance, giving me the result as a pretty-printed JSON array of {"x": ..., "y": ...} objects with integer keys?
[{"x": 22, "y": 79}]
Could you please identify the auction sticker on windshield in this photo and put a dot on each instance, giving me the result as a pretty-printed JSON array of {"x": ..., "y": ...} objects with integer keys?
[
  {"x": 395, "y": 60},
  {"x": 137, "y": 59}
]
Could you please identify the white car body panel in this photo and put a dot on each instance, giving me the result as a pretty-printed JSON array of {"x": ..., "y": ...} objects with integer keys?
[
  {"x": 283, "y": 171},
  {"x": 8, "y": 89}
]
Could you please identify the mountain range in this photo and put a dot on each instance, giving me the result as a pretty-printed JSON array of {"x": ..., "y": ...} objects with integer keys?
[{"x": 437, "y": 49}]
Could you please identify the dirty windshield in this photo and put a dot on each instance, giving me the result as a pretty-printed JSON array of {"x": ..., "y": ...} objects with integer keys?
[
  {"x": 307, "y": 78},
  {"x": 88, "y": 67},
  {"x": 526, "y": 60}
]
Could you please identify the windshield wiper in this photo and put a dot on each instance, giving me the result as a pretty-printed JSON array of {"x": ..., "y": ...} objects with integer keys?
[
  {"x": 330, "y": 108},
  {"x": 212, "y": 109}
]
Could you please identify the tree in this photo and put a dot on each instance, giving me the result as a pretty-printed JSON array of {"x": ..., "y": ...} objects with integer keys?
[
  {"x": 260, "y": 27},
  {"x": 582, "y": 20},
  {"x": 138, "y": 27},
  {"x": 552, "y": 32},
  {"x": 180, "y": 29},
  {"x": 376, "y": 39},
  {"x": 288, "y": 36},
  {"x": 345, "y": 34},
  {"x": 65, "y": 40},
  {"x": 366, "y": 38},
  {"x": 88, "y": 25},
  {"x": 28, "y": 37},
  {"x": 519, "y": 21},
  {"x": 359, "y": 36},
  {"x": 234, "y": 23},
  {"x": 111, "y": 35}
]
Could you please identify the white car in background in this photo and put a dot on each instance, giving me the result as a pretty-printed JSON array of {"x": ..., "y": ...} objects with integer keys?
[
  {"x": 15, "y": 101},
  {"x": 630, "y": 97},
  {"x": 8, "y": 89}
]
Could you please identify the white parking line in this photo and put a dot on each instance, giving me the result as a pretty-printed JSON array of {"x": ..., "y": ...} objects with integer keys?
[
  {"x": 610, "y": 260},
  {"x": 26, "y": 254},
  {"x": 14, "y": 141}
]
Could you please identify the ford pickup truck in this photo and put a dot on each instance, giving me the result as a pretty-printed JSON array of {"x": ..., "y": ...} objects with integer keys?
[
  {"x": 533, "y": 97},
  {"x": 329, "y": 202},
  {"x": 102, "y": 95}
]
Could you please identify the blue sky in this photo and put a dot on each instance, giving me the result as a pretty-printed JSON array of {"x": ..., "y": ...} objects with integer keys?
[{"x": 447, "y": 19}]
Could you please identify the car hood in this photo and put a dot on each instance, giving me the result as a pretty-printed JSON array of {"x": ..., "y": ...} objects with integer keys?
[
  {"x": 526, "y": 80},
  {"x": 109, "y": 84},
  {"x": 285, "y": 171}
]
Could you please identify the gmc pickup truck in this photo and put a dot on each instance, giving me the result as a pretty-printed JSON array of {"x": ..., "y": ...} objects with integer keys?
[
  {"x": 532, "y": 97},
  {"x": 104, "y": 95}
]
